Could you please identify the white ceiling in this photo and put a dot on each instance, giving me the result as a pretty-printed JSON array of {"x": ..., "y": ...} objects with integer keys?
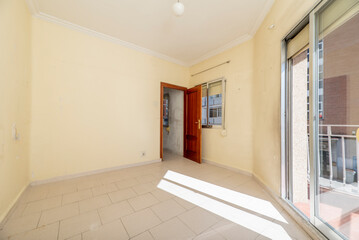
[{"x": 206, "y": 28}]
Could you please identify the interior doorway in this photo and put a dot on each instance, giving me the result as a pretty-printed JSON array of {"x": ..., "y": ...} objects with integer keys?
[
  {"x": 173, "y": 121},
  {"x": 180, "y": 125}
]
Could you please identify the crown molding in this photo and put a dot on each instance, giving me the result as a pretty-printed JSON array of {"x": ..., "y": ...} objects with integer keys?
[
  {"x": 221, "y": 49},
  {"x": 33, "y": 6},
  {"x": 37, "y": 13},
  {"x": 268, "y": 5}
]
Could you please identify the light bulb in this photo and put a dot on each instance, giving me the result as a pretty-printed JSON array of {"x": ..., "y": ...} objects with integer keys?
[{"x": 178, "y": 8}]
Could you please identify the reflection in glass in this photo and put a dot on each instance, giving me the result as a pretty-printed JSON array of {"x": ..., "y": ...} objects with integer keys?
[{"x": 338, "y": 111}]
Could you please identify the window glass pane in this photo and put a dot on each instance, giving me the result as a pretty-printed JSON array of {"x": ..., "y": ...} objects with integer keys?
[
  {"x": 204, "y": 104},
  {"x": 215, "y": 103},
  {"x": 338, "y": 110}
]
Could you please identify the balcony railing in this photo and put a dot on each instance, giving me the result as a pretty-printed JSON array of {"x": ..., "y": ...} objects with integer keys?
[{"x": 327, "y": 133}]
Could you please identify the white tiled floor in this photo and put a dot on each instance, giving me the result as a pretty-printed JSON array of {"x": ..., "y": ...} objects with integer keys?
[{"x": 130, "y": 204}]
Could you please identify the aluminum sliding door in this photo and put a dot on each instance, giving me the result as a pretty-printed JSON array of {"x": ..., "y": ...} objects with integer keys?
[
  {"x": 320, "y": 115},
  {"x": 334, "y": 31}
]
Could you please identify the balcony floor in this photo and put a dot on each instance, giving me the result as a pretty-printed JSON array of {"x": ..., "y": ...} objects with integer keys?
[{"x": 339, "y": 209}]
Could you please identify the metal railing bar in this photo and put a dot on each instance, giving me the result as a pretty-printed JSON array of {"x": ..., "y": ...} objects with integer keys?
[
  {"x": 337, "y": 125},
  {"x": 344, "y": 162},
  {"x": 330, "y": 154},
  {"x": 330, "y": 136}
]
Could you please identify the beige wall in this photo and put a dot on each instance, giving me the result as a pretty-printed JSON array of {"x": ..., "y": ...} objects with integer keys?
[
  {"x": 96, "y": 104},
  {"x": 253, "y": 97},
  {"x": 14, "y": 100},
  {"x": 285, "y": 14},
  {"x": 234, "y": 149}
]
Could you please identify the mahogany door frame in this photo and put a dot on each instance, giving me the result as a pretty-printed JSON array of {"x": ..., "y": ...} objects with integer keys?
[{"x": 171, "y": 86}]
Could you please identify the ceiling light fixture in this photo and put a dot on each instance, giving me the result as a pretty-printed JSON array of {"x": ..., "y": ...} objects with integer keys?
[{"x": 178, "y": 8}]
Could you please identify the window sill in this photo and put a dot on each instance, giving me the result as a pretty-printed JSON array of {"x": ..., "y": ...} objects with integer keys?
[{"x": 212, "y": 127}]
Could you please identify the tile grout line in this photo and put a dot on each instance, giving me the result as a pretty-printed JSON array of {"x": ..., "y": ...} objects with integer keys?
[
  {"x": 189, "y": 226},
  {"x": 58, "y": 232},
  {"x": 123, "y": 225},
  {"x": 99, "y": 217},
  {"x": 38, "y": 222}
]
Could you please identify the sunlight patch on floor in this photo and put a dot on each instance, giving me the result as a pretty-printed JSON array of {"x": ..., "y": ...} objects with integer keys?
[
  {"x": 250, "y": 221},
  {"x": 254, "y": 204}
]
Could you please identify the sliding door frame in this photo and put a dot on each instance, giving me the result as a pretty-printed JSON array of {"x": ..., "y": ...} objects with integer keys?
[
  {"x": 325, "y": 228},
  {"x": 286, "y": 119},
  {"x": 286, "y": 104}
]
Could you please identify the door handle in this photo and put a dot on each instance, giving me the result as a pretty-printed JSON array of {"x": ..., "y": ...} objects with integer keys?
[{"x": 199, "y": 123}]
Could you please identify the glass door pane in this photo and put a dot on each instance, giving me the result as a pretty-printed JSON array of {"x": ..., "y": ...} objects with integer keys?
[{"x": 337, "y": 111}]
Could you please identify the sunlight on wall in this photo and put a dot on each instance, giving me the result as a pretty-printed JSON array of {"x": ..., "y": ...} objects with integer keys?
[{"x": 242, "y": 200}]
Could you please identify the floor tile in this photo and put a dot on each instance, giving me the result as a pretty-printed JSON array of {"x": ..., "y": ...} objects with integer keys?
[
  {"x": 139, "y": 222},
  {"x": 109, "y": 201},
  {"x": 76, "y": 196},
  {"x": 94, "y": 203},
  {"x": 78, "y": 224},
  {"x": 59, "y": 190},
  {"x": 19, "y": 209},
  {"x": 77, "y": 237},
  {"x": 111, "y": 231},
  {"x": 261, "y": 237},
  {"x": 172, "y": 229},
  {"x": 209, "y": 235},
  {"x": 144, "y": 188},
  {"x": 35, "y": 193},
  {"x": 88, "y": 183},
  {"x": 251, "y": 188},
  {"x": 115, "y": 211},
  {"x": 48, "y": 232},
  {"x": 143, "y": 201},
  {"x": 126, "y": 183},
  {"x": 110, "y": 179},
  {"x": 59, "y": 213},
  {"x": 290, "y": 228},
  {"x": 198, "y": 219},
  {"x": 143, "y": 236},
  {"x": 122, "y": 194},
  {"x": 146, "y": 178},
  {"x": 38, "y": 206},
  {"x": 167, "y": 209},
  {"x": 162, "y": 195},
  {"x": 231, "y": 231},
  {"x": 187, "y": 205},
  {"x": 19, "y": 225},
  {"x": 99, "y": 190}
]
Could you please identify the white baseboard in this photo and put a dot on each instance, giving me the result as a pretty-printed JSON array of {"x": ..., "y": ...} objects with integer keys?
[
  {"x": 306, "y": 226},
  {"x": 227, "y": 167},
  {"x": 82, "y": 174},
  {"x": 11, "y": 208}
]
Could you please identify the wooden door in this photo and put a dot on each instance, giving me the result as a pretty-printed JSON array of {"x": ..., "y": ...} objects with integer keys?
[{"x": 193, "y": 126}]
